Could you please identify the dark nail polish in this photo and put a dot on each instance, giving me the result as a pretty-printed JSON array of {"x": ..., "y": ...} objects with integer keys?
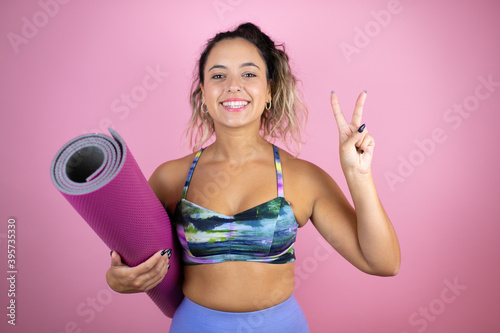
[
  {"x": 362, "y": 151},
  {"x": 168, "y": 266},
  {"x": 332, "y": 92},
  {"x": 365, "y": 91},
  {"x": 111, "y": 253},
  {"x": 357, "y": 148},
  {"x": 166, "y": 251},
  {"x": 361, "y": 128}
]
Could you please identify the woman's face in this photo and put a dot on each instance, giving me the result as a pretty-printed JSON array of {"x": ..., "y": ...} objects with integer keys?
[{"x": 235, "y": 89}]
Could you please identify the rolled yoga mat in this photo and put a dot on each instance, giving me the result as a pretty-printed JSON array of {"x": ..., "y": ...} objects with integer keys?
[{"x": 100, "y": 178}]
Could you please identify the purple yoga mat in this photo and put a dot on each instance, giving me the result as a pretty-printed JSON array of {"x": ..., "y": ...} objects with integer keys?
[{"x": 100, "y": 178}]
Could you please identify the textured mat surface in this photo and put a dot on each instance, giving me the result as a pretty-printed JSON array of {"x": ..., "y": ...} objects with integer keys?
[{"x": 100, "y": 178}]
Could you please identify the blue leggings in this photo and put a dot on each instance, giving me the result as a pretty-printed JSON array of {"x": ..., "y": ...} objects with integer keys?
[{"x": 284, "y": 317}]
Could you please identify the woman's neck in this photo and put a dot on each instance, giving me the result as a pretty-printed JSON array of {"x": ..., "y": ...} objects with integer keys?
[{"x": 238, "y": 146}]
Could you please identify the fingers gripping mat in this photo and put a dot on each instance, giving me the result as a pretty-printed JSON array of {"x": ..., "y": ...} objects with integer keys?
[{"x": 100, "y": 178}]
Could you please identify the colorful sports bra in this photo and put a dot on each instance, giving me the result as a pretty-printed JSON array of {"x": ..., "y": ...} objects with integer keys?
[{"x": 265, "y": 233}]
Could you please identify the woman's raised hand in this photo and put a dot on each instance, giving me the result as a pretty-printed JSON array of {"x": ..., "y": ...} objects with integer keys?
[
  {"x": 355, "y": 148},
  {"x": 125, "y": 279}
]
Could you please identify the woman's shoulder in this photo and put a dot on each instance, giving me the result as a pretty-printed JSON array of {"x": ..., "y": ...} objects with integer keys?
[
  {"x": 304, "y": 183},
  {"x": 305, "y": 176},
  {"x": 294, "y": 165},
  {"x": 167, "y": 181},
  {"x": 171, "y": 168}
]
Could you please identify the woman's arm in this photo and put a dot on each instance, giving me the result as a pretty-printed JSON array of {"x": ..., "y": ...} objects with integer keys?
[{"x": 364, "y": 235}]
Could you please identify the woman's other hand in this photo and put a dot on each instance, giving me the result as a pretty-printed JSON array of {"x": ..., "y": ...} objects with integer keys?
[{"x": 125, "y": 279}]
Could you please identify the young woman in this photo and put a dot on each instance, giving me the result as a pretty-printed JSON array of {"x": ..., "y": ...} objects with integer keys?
[{"x": 237, "y": 204}]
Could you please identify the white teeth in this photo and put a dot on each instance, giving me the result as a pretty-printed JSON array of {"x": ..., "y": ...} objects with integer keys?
[{"x": 235, "y": 104}]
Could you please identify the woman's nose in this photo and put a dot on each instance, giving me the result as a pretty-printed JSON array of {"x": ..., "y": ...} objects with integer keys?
[{"x": 234, "y": 84}]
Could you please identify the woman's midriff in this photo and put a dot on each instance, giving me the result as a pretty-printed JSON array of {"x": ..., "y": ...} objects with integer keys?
[{"x": 239, "y": 286}]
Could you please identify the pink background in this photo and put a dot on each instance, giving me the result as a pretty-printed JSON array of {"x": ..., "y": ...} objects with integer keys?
[{"x": 416, "y": 65}]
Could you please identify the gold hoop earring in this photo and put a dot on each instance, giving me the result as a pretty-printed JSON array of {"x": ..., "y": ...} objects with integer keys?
[
  {"x": 269, "y": 107},
  {"x": 201, "y": 108}
]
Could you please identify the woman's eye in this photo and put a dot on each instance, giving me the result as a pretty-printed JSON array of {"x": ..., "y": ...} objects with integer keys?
[
  {"x": 217, "y": 76},
  {"x": 250, "y": 75}
]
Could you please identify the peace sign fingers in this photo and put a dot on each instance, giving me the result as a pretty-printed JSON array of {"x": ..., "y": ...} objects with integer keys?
[
  {"x": 337, "y": 112},
  {"x": 358, "y": 109},
  {"x": 356, "y": 115},
  {"x": 355, "y": 145}
]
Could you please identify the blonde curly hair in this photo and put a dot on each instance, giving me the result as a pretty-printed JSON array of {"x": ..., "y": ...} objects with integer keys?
[{"x": 287, "y": 115}]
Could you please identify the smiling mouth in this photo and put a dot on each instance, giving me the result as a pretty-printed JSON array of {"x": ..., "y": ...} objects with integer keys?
[{"x": 235, "y": 104}]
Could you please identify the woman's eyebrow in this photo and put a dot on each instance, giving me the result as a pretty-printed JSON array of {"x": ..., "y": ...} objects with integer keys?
[{"x": 242, "y": 65}]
